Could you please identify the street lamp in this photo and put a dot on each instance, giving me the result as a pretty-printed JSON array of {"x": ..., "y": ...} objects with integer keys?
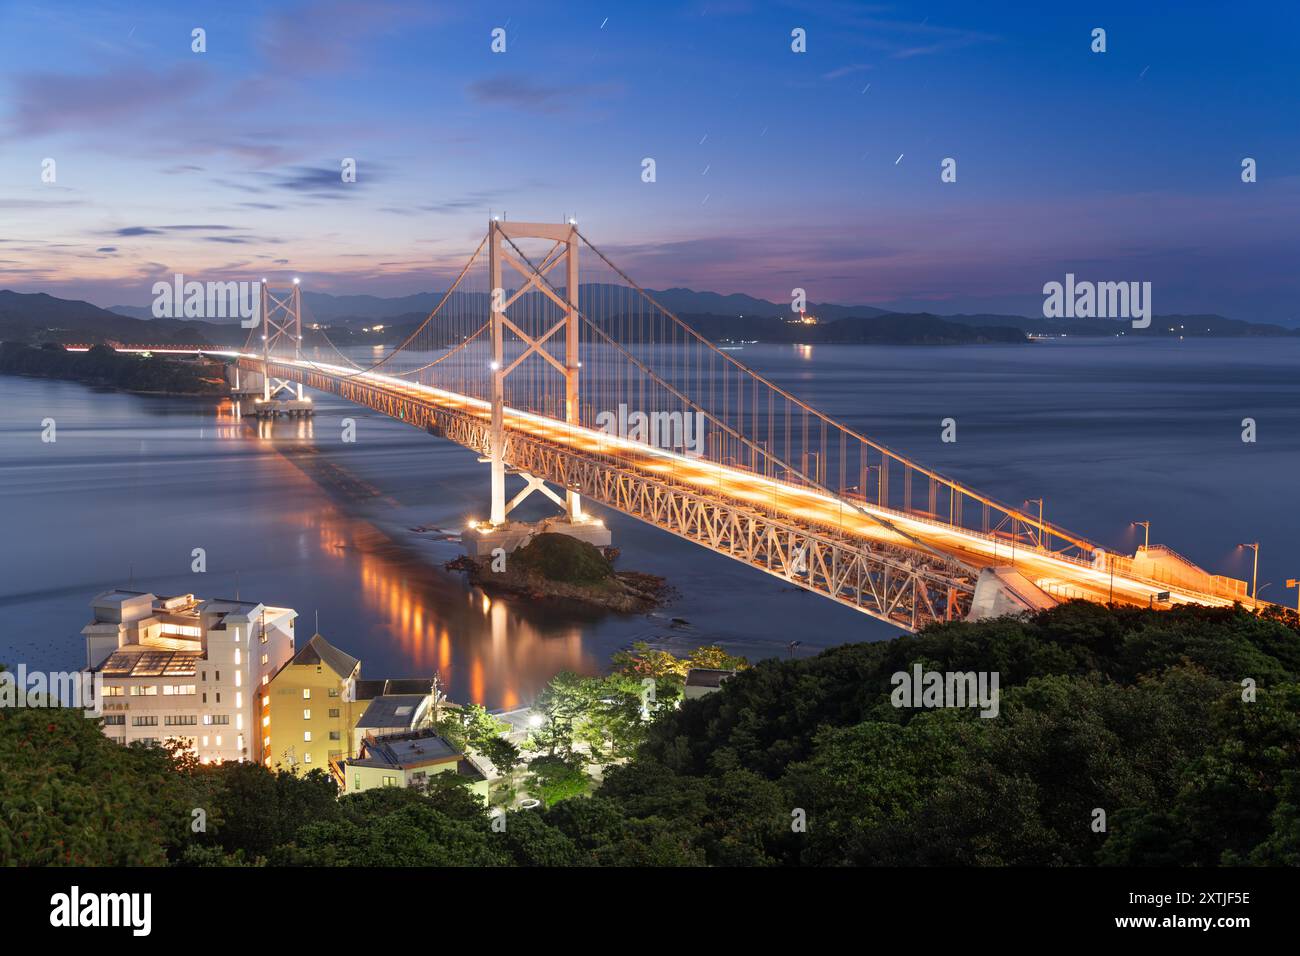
[
  {"x": 1293, "y": 583},
  {"x": 1030, "y": 501},
  {"x": 1146, "y": 543},
  {"x": 1254, "y": 577}
]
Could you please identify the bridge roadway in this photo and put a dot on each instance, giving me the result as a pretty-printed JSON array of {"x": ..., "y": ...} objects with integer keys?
[{"x": 938, "y": 561}]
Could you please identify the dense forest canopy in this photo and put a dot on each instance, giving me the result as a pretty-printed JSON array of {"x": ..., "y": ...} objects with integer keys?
[{"x": 1183, "y": 726}]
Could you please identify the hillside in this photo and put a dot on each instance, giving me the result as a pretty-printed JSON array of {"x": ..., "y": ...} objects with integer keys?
[
  {"x": 36, "y": 317},
  {"x": 886, "y": 329},
  {"x": 1139, "y": 713}
]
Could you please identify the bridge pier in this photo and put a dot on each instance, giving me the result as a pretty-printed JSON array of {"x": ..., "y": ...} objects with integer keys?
[
  {"x": 480, "y": 540},
  {"x": 1004, "y": 590}
]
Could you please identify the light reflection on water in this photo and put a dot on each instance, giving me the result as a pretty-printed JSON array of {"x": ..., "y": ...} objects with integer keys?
[{"x": 290, "y": 514}]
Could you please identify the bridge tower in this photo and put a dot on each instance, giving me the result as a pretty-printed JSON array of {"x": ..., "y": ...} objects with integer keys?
[
  {"x": 281, "y": 331},
  {"x": 500, "y": 244}
]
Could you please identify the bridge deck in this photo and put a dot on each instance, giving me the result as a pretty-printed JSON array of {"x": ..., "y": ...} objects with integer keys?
[{"x": 844, "y": 548}]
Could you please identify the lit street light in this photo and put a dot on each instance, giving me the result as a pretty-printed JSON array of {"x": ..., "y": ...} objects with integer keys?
[
  {"x": 1293, "y": 583},
  {"x": 1254, "y": 577},
  {"x": 1146, "y": 543},
  {"x": 1039, "y": 501}
]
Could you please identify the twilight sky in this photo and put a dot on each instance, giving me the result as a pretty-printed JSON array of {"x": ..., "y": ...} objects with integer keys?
[{"x": 774, "y": 169}]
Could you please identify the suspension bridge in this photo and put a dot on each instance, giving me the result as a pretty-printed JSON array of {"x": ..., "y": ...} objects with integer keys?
[{"x": 527, "y": 362}]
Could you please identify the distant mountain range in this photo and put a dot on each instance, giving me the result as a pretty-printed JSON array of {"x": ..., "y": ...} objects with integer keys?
[
  {"x": 344, "y": 309},
  {"x": 38, "y": 317}
]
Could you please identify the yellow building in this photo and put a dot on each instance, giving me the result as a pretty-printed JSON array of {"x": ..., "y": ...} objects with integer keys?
[{"x": 308, "y": 708}]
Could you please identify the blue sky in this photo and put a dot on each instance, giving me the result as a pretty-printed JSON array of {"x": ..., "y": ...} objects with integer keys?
[{"x": 774, "y": 169}]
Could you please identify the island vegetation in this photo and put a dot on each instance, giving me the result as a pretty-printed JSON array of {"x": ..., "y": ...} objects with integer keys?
[
  {"x": 101, "y": 365},
  {"x": 561, "y": 568},
  {"x": 1181, "y": 726}
]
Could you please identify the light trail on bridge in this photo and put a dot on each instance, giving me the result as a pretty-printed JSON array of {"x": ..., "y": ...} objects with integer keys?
[
  {"x": 1050, "y": 571},
  {"x": 527, "y": 370}
]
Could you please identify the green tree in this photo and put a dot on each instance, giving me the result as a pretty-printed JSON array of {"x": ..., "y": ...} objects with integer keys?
[{"x": 552, "y": 779}]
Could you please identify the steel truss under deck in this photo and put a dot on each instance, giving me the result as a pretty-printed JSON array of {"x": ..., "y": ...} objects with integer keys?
[{"x": 906, "y": 588}]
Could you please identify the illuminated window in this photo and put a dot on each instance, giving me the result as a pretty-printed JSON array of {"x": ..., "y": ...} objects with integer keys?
[
  {"x": 306, "y": 713},
  {"x": 182, "y": 630},
  {"x": 306, "y": 693},
  {"x": 306, "y": 757},
  {"x": 306, "y": 736}
]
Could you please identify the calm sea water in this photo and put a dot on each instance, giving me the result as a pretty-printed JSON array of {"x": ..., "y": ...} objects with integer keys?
[{"x": 1107, "y": 432}]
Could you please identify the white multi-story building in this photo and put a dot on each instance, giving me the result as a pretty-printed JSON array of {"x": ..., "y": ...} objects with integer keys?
[{"x": 185, "y": 668}]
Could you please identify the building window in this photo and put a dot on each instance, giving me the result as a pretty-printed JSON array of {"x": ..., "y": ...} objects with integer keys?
[
  {"x": 178, "y": 690},
  {"x": 144, "y": 721},
  {"x": 181, "y": 630},
  {"x": 306, "y": 756},
  {"x": 218, "y": 697},
  {"x": 219, "y": 719},
  {"x": 150, "y": 691},
  {"x": 265, "y": 660},
  {"x": 357, "y": 783},
  {"x": 180, "y": 720},
  {"x": 334, "y": 711},
  {"x": 306, "y": 736},
  {"x": 115, "y": 719},
  {"x": 334, "y": 735},
  {"x": 114, "y": 691},
  {"x": 390, "y": 781},
  {"x": 334, "y": 691},
  {"x": 306, "y": 693},
  {"x": 306, "y": 713}
]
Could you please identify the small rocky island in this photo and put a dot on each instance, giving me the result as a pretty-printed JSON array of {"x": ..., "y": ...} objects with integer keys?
[{"x": 556, "y": 567}]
